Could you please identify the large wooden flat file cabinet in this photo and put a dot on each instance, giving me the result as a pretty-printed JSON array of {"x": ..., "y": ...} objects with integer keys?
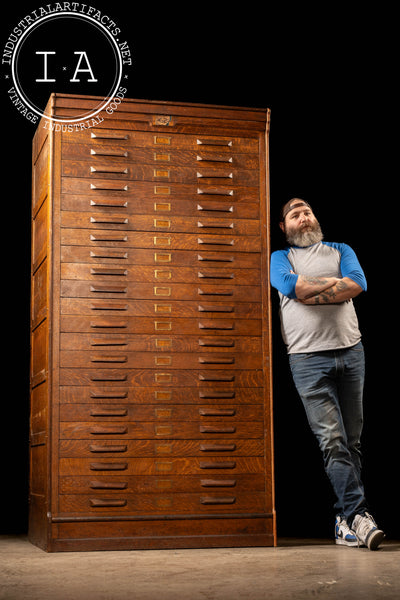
[{"x": 151, "y": 408}]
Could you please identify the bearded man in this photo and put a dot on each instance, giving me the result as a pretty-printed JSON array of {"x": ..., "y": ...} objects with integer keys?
[{"x": 316, "y": 281}]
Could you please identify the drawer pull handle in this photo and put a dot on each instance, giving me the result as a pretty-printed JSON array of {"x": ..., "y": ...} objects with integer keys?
[
  {"x": 215, "y": 258},
  {"x": 107, "y": 503},
  {"x": 217, "y": 447},
  {"x": 212, "y": 377},
  {"x": 109, "y": 169},
  {"x": 108, "y": 289},
  {"x": 108, "y": 485},
  {"x": 107, "y": 394},
  {"x": 108, "y": 188},
  {"x": 108, "y": 253},
  {"x": 215, "y": 191},
  {"x": 216, "y": 142},
  {"x": 109, "y": 377},
  {"x": 218, "y": 482},
  {"x": 217, "y": 412},
  {"x": 109, "y": 152},
  {"x": 104, "y": 135},
  {"x": 108, "y": 324},
  {"x": 98, "y": 448},
  {"x": 108, "y": 412},
  {"x": 221, "y": 225},
  {"x": 217, "y": 342},
  {"x": 217, "y": 326},
  {"x": 108, "y": 466},
  {"x": 215, "y": 275},
  {"x": 221, "y": 309},
  {"x": 108, "y": 306},
  {"x": 216, "y": 361},
  {"x": 120, "y": 271},
  {"x": 218, "y": 465},
  {"x": 109, "y": 359},
  {"x": 108, "y": 237},
  {"x": 214, "y": 293},
  {"x": 213, "y": 175},
  {"x": 216, "y": 242},
  {"x": 215, "y": 208},
  {"x": 109, "y": 202},
  {"x": 109, "y": 220},
  {"x": 214, "y": 429},
  {"x": 108, "y": 430},
  {"x": 215, "y": 158},
  {"x": 217, "y": 500},
  {"x": 216, "y": 395}
]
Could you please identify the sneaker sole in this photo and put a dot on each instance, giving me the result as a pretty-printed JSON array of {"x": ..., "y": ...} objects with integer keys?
[
  {"x": 342, "y": 542},
  {"x": 374, "y": 539}
]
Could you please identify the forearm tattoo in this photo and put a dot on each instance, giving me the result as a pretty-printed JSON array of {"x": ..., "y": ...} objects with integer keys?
[
  {"x": 314, "y": 280},
  {"x": 329, "y": 296}
]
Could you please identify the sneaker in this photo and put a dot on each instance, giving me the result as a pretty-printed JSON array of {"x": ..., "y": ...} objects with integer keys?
[
  {"x": 367, "y": 531},
  {"x": 343, "y": 534}
]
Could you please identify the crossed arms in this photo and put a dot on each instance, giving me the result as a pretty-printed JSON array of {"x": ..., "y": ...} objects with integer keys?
[
  {"x": 319, "y": 290},
  {"x": 325, "y": 290}
]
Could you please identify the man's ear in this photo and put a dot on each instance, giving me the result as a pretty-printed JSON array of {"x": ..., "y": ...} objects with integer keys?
[{"x": 282, "y": 226}]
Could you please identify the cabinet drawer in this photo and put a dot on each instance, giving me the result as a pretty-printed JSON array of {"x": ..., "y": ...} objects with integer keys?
[
  {"x": 160, "y": 258},
  {"x": 120, "y": 430},
  {"x": 110, "y": 395},
  {"x": 114, "y": 323},
  {"x": 154, "y": 343},
  {"x": 154, "y": 448},
  {"x": 205, "y": 467},
  {"x": 214, "y": 502},
  {"x": 158, "y": 240},
  {"x": 174, "y": 291},
  {"x": 149, "y": 360},
  {"x": 130, "y": 484},
  {"x": 122, "y": 194},
  {"x": 132, "y": 170},
  {"x": 173, "y": 309},
  {"x": 116, "y": 152},
  {"x": 224, "y": 225},
  {"x": 222, "y": 379},
  {"x": 162, "y": 274},
  {"x": 124, "y": 139},
  {"x": 149, "y": 203},
  {"x": 159, "y": 413}
]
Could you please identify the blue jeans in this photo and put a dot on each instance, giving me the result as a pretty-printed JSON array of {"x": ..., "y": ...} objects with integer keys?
[{"x": 330, "y": 385}]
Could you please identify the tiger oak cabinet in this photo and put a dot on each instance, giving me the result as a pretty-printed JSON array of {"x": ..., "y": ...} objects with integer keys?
[{"x": 151, "y": 405}]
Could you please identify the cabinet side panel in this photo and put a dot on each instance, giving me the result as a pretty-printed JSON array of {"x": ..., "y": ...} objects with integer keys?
[{"x": 39, "y": 370}]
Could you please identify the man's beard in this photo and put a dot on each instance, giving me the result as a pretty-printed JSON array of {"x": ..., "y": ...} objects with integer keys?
[{"x": 306, "y": 237}]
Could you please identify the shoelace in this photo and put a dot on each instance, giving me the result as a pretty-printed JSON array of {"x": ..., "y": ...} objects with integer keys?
[
  {"x": 365, "y": 525},
  {"x": 345, "y": 528}
]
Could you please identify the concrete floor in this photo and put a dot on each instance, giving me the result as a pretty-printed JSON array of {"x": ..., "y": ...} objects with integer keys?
[{"x": 295, "y": 570}]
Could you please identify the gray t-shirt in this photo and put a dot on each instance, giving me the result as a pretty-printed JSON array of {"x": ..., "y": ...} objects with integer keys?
[{"x": 315, "y": 328}]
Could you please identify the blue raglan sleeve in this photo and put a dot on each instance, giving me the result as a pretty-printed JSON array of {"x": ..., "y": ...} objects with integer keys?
[
  {"x": 350, "y": 266},
  {"x": 281, "y": 277}
]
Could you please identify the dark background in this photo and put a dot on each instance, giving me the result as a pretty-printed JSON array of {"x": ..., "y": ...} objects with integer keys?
[{"x": 328, "y": 77}]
